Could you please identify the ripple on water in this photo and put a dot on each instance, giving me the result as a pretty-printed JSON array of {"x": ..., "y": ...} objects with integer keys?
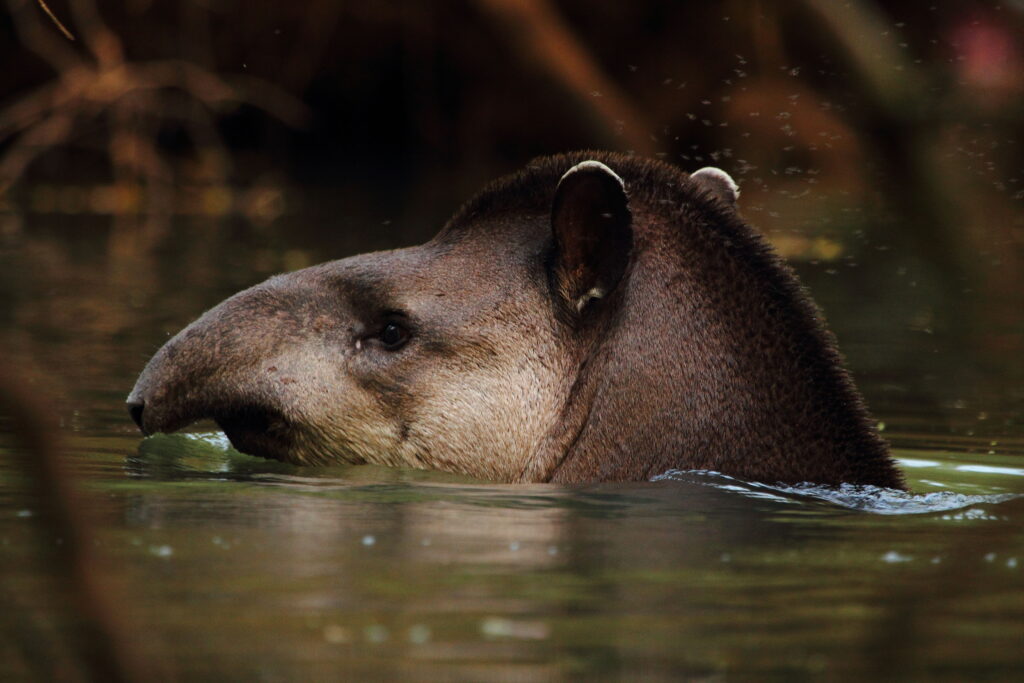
[
  {"x": 866, "y": 498},
  {"x": 212, "y": 452}
]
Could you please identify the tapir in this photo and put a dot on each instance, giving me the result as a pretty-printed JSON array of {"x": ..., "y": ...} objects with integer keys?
[{"x": 594, "y": 317}]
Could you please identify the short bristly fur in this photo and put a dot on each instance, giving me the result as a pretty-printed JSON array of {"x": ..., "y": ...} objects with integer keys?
[{"x": 559, "y": 329}]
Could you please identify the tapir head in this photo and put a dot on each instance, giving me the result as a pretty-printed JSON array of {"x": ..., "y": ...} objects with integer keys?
[
  {"x": 457, "y": 354},
  {"x": 593, "y": 317}
]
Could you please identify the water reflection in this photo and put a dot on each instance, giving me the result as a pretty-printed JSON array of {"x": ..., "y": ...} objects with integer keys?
[
  {"x": 380, "y": 573},
  {"x": 544, "y": 581}
]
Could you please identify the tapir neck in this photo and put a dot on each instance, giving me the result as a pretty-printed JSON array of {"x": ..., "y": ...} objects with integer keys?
[{"x": 717, "y": 361}]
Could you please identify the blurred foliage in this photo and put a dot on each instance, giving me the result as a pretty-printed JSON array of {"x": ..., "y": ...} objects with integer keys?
[{"x": 914, "y": 104}]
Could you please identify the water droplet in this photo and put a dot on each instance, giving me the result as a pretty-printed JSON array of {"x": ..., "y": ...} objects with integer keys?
[
  {"x": 893, "y": 557},
  {"x": 419, "y": 634},
  {"x": 498, "y": 627},
  {"x": 377, "y": 633},
  {"x": 336, "y": 635}
]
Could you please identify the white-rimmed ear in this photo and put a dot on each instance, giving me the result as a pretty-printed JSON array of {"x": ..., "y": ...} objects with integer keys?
[
  {"x": 593, "y": 233},
  {"x": 719, "y": 183}
]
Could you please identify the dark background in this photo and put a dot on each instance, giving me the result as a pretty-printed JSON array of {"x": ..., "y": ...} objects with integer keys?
[{"x": 175, "y": 152}]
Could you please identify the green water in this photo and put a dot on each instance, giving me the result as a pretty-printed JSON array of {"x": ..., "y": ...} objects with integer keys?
[
  {"x": 233, "y": 567},
  {"x": 226, "y": 567}
]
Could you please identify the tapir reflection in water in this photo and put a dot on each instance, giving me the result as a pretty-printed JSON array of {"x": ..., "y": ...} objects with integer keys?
[{"x": 593, "y": 317}]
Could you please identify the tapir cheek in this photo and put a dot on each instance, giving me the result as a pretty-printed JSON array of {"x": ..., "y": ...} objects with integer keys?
[{"x": 357, "y": 430}]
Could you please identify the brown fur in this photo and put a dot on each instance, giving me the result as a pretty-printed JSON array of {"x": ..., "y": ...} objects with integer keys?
[{"x": 699, "y": 351}]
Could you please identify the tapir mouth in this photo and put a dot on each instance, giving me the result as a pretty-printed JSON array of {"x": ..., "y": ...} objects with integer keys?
[
  {"x": 257, "y": 430},
  {"x": 252, "y": 428}
]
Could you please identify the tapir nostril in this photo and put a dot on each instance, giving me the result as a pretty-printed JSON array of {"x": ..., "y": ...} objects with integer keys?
[{"x": 135, "y": 410}]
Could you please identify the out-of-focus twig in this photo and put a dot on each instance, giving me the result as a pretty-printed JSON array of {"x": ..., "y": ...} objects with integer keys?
[
  {"x": 869, "y": 43},
  {"x": 39, "y": 38},
  {"x": 55, "y": 20},
  {"x": 101, "y": 643},
  {"x": 894, "y": 114},
  {"x": 537, "y": 31}
]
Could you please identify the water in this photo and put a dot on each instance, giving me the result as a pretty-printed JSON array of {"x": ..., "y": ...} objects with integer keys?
[
  {"x": 232, "y": 566},
  {"x": 225, "y": 566}
]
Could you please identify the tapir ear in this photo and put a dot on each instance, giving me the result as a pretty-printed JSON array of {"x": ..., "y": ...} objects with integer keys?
[
  {"x": 719, "y": 183},
  {"x": 593, "y": 233}
]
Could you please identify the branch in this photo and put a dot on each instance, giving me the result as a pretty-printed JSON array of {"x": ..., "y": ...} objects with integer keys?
[
  {"x": 536, "y": 32},
  {"x": 55, "y": 20}
]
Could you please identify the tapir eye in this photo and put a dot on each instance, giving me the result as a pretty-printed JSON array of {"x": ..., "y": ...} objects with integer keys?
[{"x": 393, "y": 336}]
